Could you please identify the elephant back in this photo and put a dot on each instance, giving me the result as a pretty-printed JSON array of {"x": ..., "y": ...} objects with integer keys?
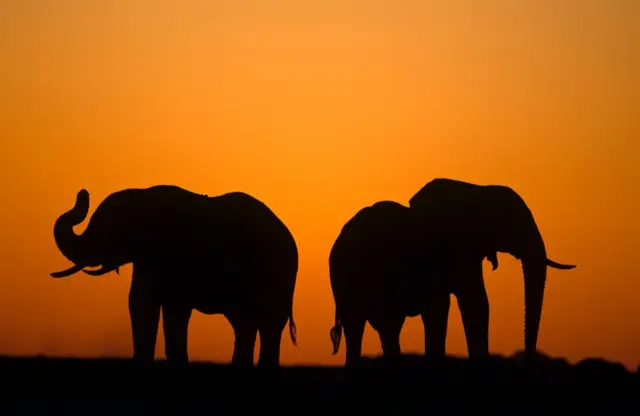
[{"x": 373, "y": 258}]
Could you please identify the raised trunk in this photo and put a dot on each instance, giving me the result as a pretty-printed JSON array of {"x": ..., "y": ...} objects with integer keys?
[
  {"x": 69, "y": 243},
  {"x": 535, "y": 276}
]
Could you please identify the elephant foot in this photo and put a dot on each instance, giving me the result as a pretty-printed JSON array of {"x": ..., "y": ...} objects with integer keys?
[
  {"x": 435, "y": 362},
  {"x": 143, "y": 362},
  {"x": 480, "y": 362},
  {"x": 353, "y": 363},
  {"x": 392, "y": 361},
  {"x": 181, "y": 362},
  {"x": 239, "y": 361},
  {"x": 267, "y": 366}
]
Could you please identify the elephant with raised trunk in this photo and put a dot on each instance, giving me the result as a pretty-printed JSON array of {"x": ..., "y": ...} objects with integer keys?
[
  {"x": 465, "y": 221},
  {"x": 227, "y": 254},
  {"x": 380, "y": 274}
]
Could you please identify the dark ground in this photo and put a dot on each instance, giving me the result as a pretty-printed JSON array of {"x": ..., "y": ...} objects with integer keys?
[{"x": 105, "y": 386}]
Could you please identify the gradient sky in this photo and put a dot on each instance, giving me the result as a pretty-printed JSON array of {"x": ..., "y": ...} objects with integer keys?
[{"x": 319, "y": 108}]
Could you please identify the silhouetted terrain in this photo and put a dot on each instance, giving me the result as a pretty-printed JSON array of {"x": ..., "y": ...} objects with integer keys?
[{"x": 105, "y": 386}]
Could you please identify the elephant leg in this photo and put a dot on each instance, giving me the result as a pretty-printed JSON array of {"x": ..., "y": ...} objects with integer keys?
[
  {"x": 245, "y": 331},
  {"x": 474, "y": 309},
  {"x": 389, "y": 333},
  {"x": 435, "y": 317},
  {"x": 144, "y": 312},
  {"x": 270, "y": 338},
  {"x": 175, "y": 322},
  {"x": 353, "y": 333}
]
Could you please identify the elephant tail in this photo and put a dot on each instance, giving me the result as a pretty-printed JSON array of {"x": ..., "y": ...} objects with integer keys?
[
  {"x": 292, "y": 330},
  {"x": 336, "y": 334}
]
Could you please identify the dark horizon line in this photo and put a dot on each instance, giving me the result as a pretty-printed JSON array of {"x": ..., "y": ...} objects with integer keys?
[{"x": 367, "y": 358}]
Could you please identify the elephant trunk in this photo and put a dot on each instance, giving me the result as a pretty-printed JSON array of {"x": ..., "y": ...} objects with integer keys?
[
  {"x": 69, "y": 243},
  {"x": 535, "y": 275}
]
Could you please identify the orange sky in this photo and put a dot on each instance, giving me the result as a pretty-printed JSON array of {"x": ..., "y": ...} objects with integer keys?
[{"x": 319, "y": 108}]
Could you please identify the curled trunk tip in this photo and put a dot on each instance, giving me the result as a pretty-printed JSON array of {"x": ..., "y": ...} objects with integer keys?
[{"x": 68, "y": 242}]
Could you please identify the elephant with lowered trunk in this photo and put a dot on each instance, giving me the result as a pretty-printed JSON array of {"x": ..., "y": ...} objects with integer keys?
[
  {"x": 227, "y": 254},
  {"x": 465, "y": 221}
]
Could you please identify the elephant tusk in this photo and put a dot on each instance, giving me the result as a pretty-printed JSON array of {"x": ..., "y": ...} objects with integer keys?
[
  {"x": 68, "y": 272},
  {"x": 560, "y": 266},
  {"x": 101, "y": 271}
]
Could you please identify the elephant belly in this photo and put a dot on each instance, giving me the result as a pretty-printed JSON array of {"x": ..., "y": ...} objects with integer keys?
[
  {"x": 214, "y": 302},
  {"x": 390, "y": 303},
  {"x": 412, "y": 310},
  {"x": 411, "y": 296},
  {"x": 209, "y": 308},
  {"x": 222, "y": 294},
  {"x": 411, "y": 305}
]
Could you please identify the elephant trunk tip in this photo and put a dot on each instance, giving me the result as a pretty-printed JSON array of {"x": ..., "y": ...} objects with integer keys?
[
  {"x": 83, "y": 194},
  {"x": 535, "y": 273}
]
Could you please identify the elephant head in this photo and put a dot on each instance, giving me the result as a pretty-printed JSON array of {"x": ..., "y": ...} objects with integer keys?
[
  {"x": 492, "y": 217},
  {"x": 136, "y": 224},
  {"x": 97, "y": 245}
]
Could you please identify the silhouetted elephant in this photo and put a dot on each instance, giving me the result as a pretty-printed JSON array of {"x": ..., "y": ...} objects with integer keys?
[
  {"x": 227, "y": 254},
  {"x": 379, "y": 274},
  {"x": 464, "y": 222},
  {"x": 374, "y": 277}
]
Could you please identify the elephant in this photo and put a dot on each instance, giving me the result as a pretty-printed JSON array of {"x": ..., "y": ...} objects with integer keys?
[
  {"x": 461, "y": 222},
  {"x": 380, "y": 275},
  {"x": 227, "y": 254}
]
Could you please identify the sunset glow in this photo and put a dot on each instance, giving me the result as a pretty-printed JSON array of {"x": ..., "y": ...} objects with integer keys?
[{"x": 319, "y": 108}]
